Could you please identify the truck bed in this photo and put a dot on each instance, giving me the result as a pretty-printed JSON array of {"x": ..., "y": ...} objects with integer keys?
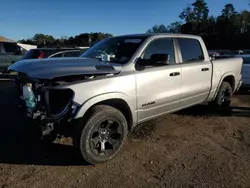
[{"x": 224, "y": 67}]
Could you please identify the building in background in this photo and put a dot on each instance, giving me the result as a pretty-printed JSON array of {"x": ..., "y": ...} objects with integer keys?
[
  {"x": 3, "y": 39},
  {"x": 25, "y": 47}
]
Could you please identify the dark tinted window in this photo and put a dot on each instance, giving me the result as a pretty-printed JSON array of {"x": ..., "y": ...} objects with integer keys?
[
  {"x": 190, "y": 50},
  {"x": 160, "y": 46},
  {"x": 72, "y": 54},
  {"x": 12, "y": 48}
]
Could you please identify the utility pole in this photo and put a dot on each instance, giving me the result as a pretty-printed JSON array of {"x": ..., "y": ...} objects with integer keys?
[{"x": 90, "y": 40}]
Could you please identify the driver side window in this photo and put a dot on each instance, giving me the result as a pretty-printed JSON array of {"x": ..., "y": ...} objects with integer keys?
[{"x": 160, "y": 46}]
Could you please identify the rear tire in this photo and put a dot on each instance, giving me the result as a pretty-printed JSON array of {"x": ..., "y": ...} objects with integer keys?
[
  {"x": 223, "y": 97},
  {"x": 100, "y": 135}
]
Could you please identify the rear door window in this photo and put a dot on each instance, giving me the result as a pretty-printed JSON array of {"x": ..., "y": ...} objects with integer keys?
[{"x": 191, "y": 50}]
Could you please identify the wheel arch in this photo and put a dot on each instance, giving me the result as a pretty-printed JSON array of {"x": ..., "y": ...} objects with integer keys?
[
  {"x": 231, "y": 80},
  {"x": 228, "y": 77},
  {"x": 117, "y": 100}
]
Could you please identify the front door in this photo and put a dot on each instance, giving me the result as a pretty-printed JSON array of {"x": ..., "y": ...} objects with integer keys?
[{"x": 158, "y": 87}]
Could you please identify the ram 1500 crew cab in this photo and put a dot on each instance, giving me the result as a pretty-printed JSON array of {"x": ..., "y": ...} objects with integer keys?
[{"x": 120, "y": 82}]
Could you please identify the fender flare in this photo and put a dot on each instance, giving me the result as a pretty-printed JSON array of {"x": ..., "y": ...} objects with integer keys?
[
  {"x": 102, "y": 97},
  {"x": 221, "y": 80}
]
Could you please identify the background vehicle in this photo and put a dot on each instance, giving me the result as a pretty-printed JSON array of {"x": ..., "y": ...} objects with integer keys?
[
  {"x": 245, "y": 70},
  {"x": 213, "y": 54},
  {"x": 52, "y": 53},
  {"x": 10, "y": 52},
  {"x": 120, "y": 82}
]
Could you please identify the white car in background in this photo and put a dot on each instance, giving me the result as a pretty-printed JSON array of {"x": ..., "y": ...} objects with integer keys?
[{"x": 245, "y": 69}]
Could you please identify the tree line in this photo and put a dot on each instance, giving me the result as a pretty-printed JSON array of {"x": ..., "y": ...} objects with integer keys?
[
  {"x": 84, "y": 39},
  {"x": 230, "y": 30}
]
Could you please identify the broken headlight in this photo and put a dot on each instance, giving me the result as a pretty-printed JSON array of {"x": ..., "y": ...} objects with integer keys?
[
  {"x": 29, "y": 96},
  {"x": 58, "y": 101}
]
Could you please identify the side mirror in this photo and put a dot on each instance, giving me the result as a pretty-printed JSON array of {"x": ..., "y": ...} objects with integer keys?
[
  {"x": 162, "y": 59},
  {"x": 155, "y": 60}
]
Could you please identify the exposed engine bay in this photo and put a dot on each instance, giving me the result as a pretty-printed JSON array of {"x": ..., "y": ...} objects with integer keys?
[{"x": 46, "y": 103}]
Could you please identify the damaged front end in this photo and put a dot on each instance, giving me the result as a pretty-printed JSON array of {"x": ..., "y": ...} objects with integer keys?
[
  {"x": 44, "y": 89},
  {"x": 46, "y": 104}
]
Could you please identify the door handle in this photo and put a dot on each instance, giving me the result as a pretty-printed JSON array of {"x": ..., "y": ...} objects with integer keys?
[
  {"x": 174, "y": 74},
  {"x": 204, "y": 69}
]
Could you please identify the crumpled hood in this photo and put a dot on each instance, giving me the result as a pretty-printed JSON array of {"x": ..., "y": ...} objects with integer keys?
[{"x": 57, "y": 67}]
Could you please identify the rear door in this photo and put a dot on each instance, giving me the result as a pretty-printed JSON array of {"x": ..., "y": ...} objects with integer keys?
[{"x": 196, "y": 72}]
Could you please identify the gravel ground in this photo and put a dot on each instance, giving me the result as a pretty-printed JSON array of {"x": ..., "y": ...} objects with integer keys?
[{"x": 192, "y": 148}]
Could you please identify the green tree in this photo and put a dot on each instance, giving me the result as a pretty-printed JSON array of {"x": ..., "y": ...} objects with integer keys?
[
  {"x": 228, "y": 11},
  {"x": 43, "y": 39},
  {"x": 245, "y": 21},
  {"x": 198, "y": 12},
  {"x": 196, "y": 17},
  {"x": 158, "y": 29},
  {"x": 230, "y": 30},
  {"x": 187, "y": 14},
  {"x": 174, "y": 27}
]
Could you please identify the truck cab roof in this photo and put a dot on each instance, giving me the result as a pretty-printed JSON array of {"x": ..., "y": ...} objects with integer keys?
[{"x": 161, "y": 34}]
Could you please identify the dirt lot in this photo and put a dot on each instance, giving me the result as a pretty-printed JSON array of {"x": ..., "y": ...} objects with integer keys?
[{"x": 193, "y": 148}]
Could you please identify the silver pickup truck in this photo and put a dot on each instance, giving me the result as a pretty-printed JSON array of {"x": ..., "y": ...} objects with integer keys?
[{"x": 120, "y": 82}]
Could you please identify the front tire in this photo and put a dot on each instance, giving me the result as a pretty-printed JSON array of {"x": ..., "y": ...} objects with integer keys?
[
  {"x": 101, "y": 136},
  {"x": 223, "y": 98}
]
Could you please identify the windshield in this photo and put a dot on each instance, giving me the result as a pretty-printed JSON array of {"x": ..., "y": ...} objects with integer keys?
[{"x": 116, "y": 50}]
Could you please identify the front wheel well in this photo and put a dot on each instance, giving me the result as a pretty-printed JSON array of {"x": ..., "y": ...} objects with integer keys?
[
  {"x": 120, "y": 105},
  {"x": 230, "y": 79}
]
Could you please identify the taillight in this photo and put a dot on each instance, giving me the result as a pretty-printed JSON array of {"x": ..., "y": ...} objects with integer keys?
[
  {"x": 41, "y": 55},
  {"x": 241, "y": 66}
]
